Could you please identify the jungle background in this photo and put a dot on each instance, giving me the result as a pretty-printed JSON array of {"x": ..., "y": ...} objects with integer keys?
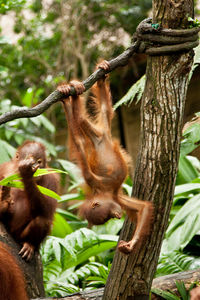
[{"x": 47, "y": 42}]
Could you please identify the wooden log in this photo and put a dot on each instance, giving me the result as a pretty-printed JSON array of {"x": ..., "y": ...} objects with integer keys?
[
  {"x": 89, "y": 295},
  {"x": 168, "y": 282},
  {"x": 164, "y": 283}
]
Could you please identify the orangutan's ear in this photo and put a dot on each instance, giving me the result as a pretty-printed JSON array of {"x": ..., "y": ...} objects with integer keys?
[{"x": 95, "y": 204}]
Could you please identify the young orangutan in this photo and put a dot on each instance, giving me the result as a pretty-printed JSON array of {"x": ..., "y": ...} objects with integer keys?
[
  {"x": 28, "y": 214},
  {"x": 12, "y": 284},
  {"x": 102, "y": 161}
]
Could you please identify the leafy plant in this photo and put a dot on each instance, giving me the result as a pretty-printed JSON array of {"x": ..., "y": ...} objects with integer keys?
[
  {"x": 6, "y": 5},
  {"x": 135, "y": 91},
  {"x": 99, "y": 279},
  {"x": 193, "y": 22},
  {"x": 19, "y": 130},
  {"x": 169, "y": 295},
  {"x": 173, "y": 262},
  {"x": 63, "y": 258},
  {"x": 181, "y": 244}
]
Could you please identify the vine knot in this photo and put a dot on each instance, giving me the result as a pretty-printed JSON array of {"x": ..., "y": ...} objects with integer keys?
[{"x": 155, "y": 40}]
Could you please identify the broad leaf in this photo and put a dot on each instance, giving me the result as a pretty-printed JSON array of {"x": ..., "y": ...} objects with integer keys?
[
  {"x": 186, "y": 188},
  {"x": 192, "y": 206},
  {"x": 61, "y": 228},
  {"x": 186, "y": 171}
]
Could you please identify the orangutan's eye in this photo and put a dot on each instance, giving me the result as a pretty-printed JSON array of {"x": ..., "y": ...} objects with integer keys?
[{"x": 39, "y": 161}]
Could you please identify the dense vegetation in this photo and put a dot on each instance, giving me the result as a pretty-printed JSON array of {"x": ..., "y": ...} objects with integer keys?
[{"x": 57, "y": 40}]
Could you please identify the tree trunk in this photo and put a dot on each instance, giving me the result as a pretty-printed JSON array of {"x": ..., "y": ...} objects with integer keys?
[
  {"x": 157, "y": 162},
  {"x": 32, "y": 270}
]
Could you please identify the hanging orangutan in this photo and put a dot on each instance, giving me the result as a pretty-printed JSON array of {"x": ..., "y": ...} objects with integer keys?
[{"x": 102, "y": 161}]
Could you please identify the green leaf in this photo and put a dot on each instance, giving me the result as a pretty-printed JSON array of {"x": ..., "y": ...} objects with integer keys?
[
  {"x": 189, "y": 229},
  {"x": 82, "y": 244},
  {"x": 164, "y": 294},
  {"x": 128, "y": 189},
  {"x": 72, "y": 169},
  {"x": 173, "y": 262},
  {"x": 84, "y": 272},
  {"x": 45, "y": 122},
  {"x": 71, "y": 196},
  {"x": 41, "y": 172},
  {"x": 68, "y": 215},
  {"x": 48, "y": 192},
  {"x": 61, "y": 228},
  {"x": 192, "y": 206},
  {"x": 136, "y": 90},
  {"x": 186, "y": 171},
  {"x": 19, "y": 138},
  {"x": 182, "y": 290},
  {"x": 113, "y": 226},
  {"x": 103, "y": 272},
  {"x": 27, "y": 99},
  {"x": 6, "y": 151},
  {"x": 8, "y": 134},
  {"x": 57, "y": 249},
  {"x": 186, "y": 188},
  {"x": 173, "y": 241},
  {"x": 12, "y": 181},
  {"x": 191, "y": 139},
  {"x": 36, "y": 121}
]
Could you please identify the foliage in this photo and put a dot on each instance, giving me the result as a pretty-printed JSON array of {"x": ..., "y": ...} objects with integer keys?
[
  {"x": 63, "y": 260},
  {"x": 19, "y": 130},
  {"x": 193, "y": 22},
  {"x": 100, "y": 277},
  {"x": 15, "y": 181},
  {"x": 136, "y": 92},
  {"x": 181, "y": 244},
  {"x": 169, "y": 295},
  {"x": 94, "y": 29},
  {"x": 191, "y": 138},
  {"x": 6, "y": 5},
  {"x": 173, "y": 262},
  {"x": 45, "y": 53},
  {"x": 187, "y": 169},
  {"x": 74, "y": 257}
]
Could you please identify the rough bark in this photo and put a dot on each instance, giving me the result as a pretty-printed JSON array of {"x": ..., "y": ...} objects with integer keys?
[
  {"x": 32, "y": 270},
  {"x": 156, "y": 168}
]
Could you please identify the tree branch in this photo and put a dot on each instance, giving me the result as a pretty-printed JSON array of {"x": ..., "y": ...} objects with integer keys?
[{"x": 56, "y": 96}]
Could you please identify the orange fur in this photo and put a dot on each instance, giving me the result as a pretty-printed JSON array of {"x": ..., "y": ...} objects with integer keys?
[
  {"x": 103, "y": 162},
  {"x": 12, "y": 284},
  {"x": 28, "y": 214}
]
